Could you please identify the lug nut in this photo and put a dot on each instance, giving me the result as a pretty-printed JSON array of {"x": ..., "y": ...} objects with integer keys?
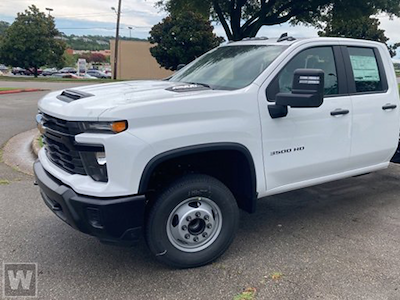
[
  {"x": 187, "y": 236},
  {"x": 188, "y": 218},
  {"x": 205, "y": 234},
  {"x": 209, "y": 225},
  {"x": 198, "y": 215},
  {"x": 195, "y": 239},
  {"x": 184, "y": 227},
  {"x": 206, "y": 217}
]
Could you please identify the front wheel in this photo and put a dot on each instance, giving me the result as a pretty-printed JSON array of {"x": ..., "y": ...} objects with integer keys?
[{"x": 192, "y": 222}]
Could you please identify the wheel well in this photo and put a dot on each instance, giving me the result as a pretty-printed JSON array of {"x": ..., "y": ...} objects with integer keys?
[{"x": 230, "y": 163}]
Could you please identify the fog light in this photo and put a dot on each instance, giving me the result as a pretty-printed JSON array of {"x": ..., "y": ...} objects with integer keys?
[{"x": 101, "y": 158}]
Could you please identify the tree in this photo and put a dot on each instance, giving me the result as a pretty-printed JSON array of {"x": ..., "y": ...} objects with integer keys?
[
  {"x": 353, "y": 20},
  {"x": 363, "y": 27},
  {"x": 3, "y": 27},
  {"x": 244, "y": 18},
  {"x": 180, "y": 39},
  {"x": 69, "y": 60},
  {"x": 393, "y": 49},
  {"x": 30, "y": 42}
]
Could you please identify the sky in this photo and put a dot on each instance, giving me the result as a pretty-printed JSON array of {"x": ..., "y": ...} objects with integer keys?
[{"x": 95, "y": 17}]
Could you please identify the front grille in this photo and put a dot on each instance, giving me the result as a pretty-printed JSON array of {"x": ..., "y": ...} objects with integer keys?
[{"x": 60, "y": 145}]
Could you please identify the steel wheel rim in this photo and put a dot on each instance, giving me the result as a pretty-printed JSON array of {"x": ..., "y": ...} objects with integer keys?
[{"x": 194, "y": 224}]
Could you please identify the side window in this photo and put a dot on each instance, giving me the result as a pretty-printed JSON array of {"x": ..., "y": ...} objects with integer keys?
[
  {"x": 314, "y": 58},
  {"x": 365, "y": 70}
]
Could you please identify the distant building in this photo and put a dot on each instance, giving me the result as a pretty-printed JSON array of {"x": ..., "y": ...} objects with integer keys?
[
  {"x": 135, "y": 61},
  {"x": 100, "y": 42}
]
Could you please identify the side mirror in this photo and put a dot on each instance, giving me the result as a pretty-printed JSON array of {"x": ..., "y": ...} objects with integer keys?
[
  {"x": 307, "y": 91},
  {"x": 180, "y": 66}
]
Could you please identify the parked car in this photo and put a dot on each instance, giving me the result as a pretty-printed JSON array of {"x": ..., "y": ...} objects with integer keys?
[
  {"x": 49, "y": 71},
  {"x": 176, "y": 159},
  {"x": 65, "y": 75},
  {"x": 3, "y": 68},
  {"x": 87, "y": 76},
  {"x": 27, "y": 72},
  {"x": 68, "y": 70},
  {"x": 98, "y": 74},
  {"x": 18, "y": 71}
]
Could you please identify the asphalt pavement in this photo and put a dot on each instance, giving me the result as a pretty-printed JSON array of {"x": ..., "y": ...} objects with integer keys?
[{"x": 334, "y": 241}]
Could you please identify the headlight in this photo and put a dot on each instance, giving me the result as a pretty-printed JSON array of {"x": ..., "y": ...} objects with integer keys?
[{"x": 104, "y": 127}]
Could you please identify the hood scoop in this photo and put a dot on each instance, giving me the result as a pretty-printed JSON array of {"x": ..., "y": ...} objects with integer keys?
[
  {"x": 187, "y": 88},
  {"x": 73, "y": 95}
]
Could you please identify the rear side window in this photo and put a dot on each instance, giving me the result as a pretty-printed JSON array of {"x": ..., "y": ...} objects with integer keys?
[{"x": 365, "y": 70}]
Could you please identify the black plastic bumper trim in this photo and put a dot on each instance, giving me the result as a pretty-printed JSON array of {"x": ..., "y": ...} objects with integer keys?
[{"x": 112, "y": 220}]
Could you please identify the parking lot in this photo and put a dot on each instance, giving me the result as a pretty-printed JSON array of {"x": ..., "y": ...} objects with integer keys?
[{"x": 339, "y": 240}]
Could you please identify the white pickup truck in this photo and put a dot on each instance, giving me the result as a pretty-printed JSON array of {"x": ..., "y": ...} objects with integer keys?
[{"x": 176, "y": 159}]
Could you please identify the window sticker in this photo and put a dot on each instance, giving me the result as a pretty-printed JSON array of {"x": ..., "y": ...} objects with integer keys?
[{"x": 365, "y": 68}]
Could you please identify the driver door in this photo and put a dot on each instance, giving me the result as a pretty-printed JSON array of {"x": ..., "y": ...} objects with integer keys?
[{"x": 309, "y": 145}]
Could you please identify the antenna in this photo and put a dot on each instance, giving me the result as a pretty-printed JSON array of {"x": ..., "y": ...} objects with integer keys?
[{"x": 285, "y": 37}]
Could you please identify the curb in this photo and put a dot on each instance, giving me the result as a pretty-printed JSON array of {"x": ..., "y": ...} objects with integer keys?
[
  {"x": 20, "y": 91},
  {"x": 18, "y": 152},
  {"x": 35, "y": 144}
]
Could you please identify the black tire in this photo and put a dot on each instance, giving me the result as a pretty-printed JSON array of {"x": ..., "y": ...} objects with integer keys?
[{"x": 209, "y": 191}]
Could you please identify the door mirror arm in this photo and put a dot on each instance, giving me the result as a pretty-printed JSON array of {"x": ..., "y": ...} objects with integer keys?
[{"x": 277, "y": 111}]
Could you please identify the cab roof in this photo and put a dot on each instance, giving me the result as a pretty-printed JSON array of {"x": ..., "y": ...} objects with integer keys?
[{"x": 288, "y": 41}]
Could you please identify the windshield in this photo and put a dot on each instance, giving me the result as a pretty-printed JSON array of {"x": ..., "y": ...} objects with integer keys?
[{"x": 231, "y": 67}]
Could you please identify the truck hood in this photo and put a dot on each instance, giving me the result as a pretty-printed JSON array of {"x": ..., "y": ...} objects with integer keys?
[{"x": 89, "y": 102}]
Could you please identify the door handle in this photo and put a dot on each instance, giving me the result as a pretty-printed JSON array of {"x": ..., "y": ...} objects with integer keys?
[
  {"x": 339, "y": 112},
  {"x": 389, "y": 106}
]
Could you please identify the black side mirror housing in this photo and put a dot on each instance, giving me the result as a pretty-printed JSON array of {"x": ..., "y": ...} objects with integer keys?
[
  {"x": 180, "y": 66},
  {"x": 307, "y": 91}
]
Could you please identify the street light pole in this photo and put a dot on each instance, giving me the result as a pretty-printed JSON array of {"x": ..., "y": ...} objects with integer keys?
[
  {"x": 130, "y": 31},
  {"x": 49, "y": 10},
  {"x": 117, "y": 40}
]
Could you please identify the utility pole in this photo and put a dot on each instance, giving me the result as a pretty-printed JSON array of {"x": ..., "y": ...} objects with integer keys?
[{"x": 117, "y": 40}]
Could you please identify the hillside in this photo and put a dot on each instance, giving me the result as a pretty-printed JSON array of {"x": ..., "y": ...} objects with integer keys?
[{"x": 91, "y": 42}]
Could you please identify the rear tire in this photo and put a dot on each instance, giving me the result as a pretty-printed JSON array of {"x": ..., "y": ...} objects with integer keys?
[{"x": 192, "y": 222}]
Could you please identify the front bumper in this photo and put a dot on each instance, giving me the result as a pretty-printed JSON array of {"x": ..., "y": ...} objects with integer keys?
[{"x": 112, "y": 220}]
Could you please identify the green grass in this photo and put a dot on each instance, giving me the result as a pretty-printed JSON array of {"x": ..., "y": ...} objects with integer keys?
[
  {"x": 40, "y": 141},
  {"x": 247, "y": 294},
  {"x": 52, "y": 79},
  {"x": 4, "y": 182},
  {"x": 3, "y": 89}
]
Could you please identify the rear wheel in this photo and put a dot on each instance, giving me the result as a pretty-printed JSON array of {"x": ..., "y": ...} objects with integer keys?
[{"x": 192, "y": 222}]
